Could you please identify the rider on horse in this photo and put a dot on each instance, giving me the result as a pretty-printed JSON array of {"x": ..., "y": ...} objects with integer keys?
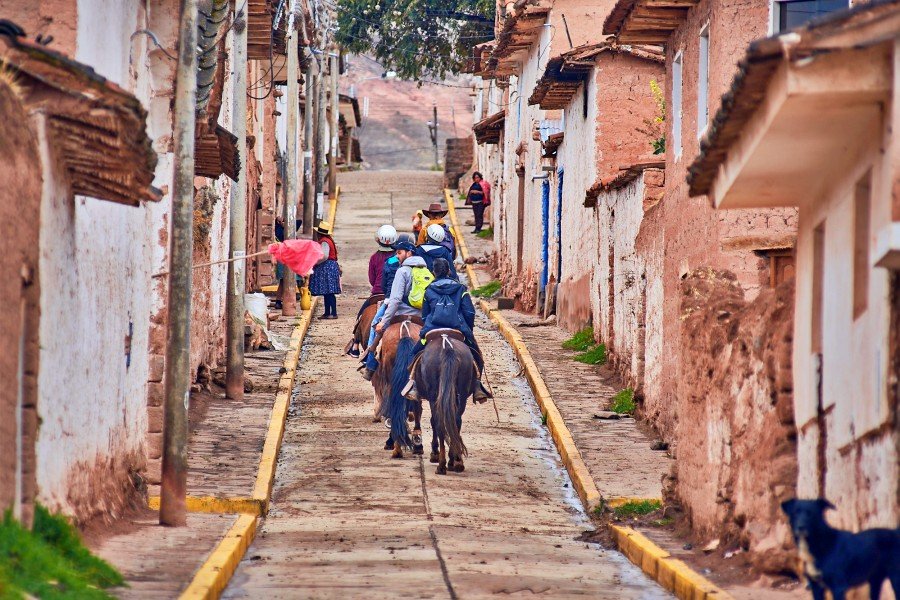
[
  {"x": 433, "y": 249},
  {"x": 448, "y": 305},
  {"x": 385, "y": 237},
  {"x": 397, "y": 304}
]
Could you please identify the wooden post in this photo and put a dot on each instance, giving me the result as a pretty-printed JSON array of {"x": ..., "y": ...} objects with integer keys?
[
  {"x": 309, "y": 190},
  {"x": 173, "y": 492},
  {"x": 234, "y": 369},
  {"x": 289, "y": 300},
  {"x": 334, "y": 122}
]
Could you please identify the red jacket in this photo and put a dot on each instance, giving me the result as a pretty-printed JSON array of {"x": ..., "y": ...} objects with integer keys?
[{"x": 376, "y": 270}]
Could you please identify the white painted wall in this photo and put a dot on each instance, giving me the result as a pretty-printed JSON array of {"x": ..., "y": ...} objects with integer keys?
[
  {"x": 577, "y": 156},
  {"x": 96, "y": 265}
]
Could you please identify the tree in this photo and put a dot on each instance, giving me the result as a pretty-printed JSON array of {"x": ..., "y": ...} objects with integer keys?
[{"x": 415, "y": 38}]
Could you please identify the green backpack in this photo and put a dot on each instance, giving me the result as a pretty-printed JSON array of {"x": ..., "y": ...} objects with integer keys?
[{"x": 421, "y": 279}]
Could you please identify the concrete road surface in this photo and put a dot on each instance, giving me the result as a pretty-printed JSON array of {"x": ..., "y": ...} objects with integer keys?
[{"x": 349, "y": 522}]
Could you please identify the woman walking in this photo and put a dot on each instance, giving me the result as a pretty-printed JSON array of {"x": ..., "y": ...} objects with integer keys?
[
  {"x": 326, "y": 277},
  {"x": 479, "y": 199}
]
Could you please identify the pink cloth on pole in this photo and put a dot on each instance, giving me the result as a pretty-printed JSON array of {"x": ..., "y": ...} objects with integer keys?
[{"x": 300, "y": 256}]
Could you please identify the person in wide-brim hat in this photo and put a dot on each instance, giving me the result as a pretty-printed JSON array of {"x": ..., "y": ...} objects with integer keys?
[
  {"x": 326, "y": 277},
  {"x": 435, "y": 211},
  {"x": 323, "y": 228}
]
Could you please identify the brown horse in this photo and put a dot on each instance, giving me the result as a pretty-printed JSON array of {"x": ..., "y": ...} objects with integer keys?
[
  {"x": 446, "y": 375},
  {"x": 397, "y": 347},
  {"x": 364, "y": 321}
]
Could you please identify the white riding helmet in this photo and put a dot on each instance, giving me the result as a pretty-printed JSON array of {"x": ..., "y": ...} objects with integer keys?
[
  {"x": 435, "y": 233},
  {"x": 386, "y": 236}
]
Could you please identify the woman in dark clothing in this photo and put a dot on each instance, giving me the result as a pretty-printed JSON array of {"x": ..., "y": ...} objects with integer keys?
[
  {"x": 477, "y": 199},
  {"x": 326, "y": 277}
]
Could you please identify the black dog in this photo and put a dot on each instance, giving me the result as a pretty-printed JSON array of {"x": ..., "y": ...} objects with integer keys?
[{"x": 838, "y": 560}]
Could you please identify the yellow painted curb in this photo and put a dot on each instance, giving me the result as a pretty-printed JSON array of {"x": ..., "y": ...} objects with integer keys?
[
  {"x": 460, "y": 240},
  {"x": 213, "y": 575},
  {"x": 212, "y": 504},
  {"x": 672, "y": 574},
  {"x": 265, "y": 478}
]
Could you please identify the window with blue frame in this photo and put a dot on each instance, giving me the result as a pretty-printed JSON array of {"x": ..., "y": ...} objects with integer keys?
[{"x": 794, "y": 13}]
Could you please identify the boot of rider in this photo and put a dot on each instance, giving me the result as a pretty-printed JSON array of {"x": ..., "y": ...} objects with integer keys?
[
  {"x": 481, "y": 393},
  {"x": 410, "y": 392}
]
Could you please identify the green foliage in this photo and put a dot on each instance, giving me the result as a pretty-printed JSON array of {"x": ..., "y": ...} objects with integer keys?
[
  {"x": 581, "y": 341},
  {"x": 415, "y": 38},
  {"x": 594, "y": 356},
  {"x": 655, "y": 128},
  {"x": 636, "y": 508},
  {"x": 543, "y": 418},
  {"x": 50, "y": 561},
  {"x": 486, "y": 234},
  {"x": 488, "y": 290},
  {"x": 623, "y": 402}
]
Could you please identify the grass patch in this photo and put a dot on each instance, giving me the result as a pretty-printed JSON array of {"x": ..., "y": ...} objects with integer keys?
[
  {"x": 487, "y": 290},
  {"x": 664, "y": 522},
  {"x": 581, "y": 341},
  {"x": 486, "y": 234},
  {"x": 594, "y": 356},
  {"x": 637, "y": 508},
  {"x": 50, "y": 561},
  {"x": 544, "y": 419},
  {"x": 623, "y": 402}
]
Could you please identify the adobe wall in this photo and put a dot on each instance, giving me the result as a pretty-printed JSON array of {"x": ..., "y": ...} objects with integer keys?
[
  {"x": 735, "y": 436},
  {"x": 624, "y": 103},
  {"x": 578, "y": 240},
  {"x": 695, "y": 234},
  {"x": 19, "y": 297},
  {"x": 518, "y": 134},
  {"x": 56, "y": 18},
  {"x": 846, "y": 405},
  {"x": 582, "y": 21}
]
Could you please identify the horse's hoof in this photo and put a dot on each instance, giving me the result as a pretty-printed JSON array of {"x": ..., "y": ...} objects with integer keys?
[
  {"x": 376, "y": 419},
  {"x": 458, "y": 467},
  {"x": 397, "y": 454},
  {"x": 389, "y": 445},
  {"x": 410, "y": 417},
  {"x": 418, "y": 450},
  {"x": 441, "y": 470},
  {"x": 433, "y": 458}
]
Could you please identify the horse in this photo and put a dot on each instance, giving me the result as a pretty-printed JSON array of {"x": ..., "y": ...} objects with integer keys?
[
  {"x": 398, "y": 344},
  {"x": 364, "y": 321},
  {"x": 446, "y": 375}
]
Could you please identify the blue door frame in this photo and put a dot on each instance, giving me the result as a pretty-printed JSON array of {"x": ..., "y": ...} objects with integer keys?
[
  {"x": 545, "y": 233},
  {"x": 559, "y": 203}
]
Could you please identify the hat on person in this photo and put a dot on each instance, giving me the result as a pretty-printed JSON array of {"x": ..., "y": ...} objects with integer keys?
[
  {"x": 435, "y": 211},
  {"x": 404, "y": 245},
  {"x": 323, "y": 228}
]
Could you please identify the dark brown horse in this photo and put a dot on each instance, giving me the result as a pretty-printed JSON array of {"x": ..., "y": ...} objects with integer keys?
[
  {"x": 364, "y": 321},
  {"x": 446, "y": 375},
  {"x": 397, "y": 349}
]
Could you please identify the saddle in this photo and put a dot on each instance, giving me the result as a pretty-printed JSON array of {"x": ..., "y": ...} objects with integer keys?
[
  {"x": 373, "y": 299},
  {"x": 403, "y": 318},
  {"x": 436, "y": 334}
]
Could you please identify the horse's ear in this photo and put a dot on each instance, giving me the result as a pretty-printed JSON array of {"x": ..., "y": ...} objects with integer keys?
[{"x": 825, "y": 504}]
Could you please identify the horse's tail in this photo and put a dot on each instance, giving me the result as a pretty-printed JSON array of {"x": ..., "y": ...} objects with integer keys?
[
  {"x": 397, "y": 405},
  {"x": 447, "y": 406}
]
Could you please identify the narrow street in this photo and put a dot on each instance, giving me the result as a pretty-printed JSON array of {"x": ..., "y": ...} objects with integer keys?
[{"x": 347, "y": 521}]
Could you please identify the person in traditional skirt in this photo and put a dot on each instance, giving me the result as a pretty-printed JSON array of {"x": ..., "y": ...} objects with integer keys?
[{"x": 326, "y": 277}]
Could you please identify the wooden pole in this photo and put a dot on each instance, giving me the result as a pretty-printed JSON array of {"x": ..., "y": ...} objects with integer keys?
[
  {"x": 334, "y": 123},
  {"x": 234, "y": 341},
  {"x": 309, "y": 190},
  {"x": 173, "y": 492},
  {"x": 289, "y": 300}
]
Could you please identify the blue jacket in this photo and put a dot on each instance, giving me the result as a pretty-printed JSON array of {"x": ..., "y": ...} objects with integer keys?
[
  {"x": 429, "y": 252},
  {"x": 448, "y": 304},
  {"x": 391, "y": 266}
]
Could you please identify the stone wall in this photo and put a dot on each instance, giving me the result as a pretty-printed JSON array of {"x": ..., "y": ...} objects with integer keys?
[
  {"x": 735, "y": 439},
  {"x": 458, "y": 159}
]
